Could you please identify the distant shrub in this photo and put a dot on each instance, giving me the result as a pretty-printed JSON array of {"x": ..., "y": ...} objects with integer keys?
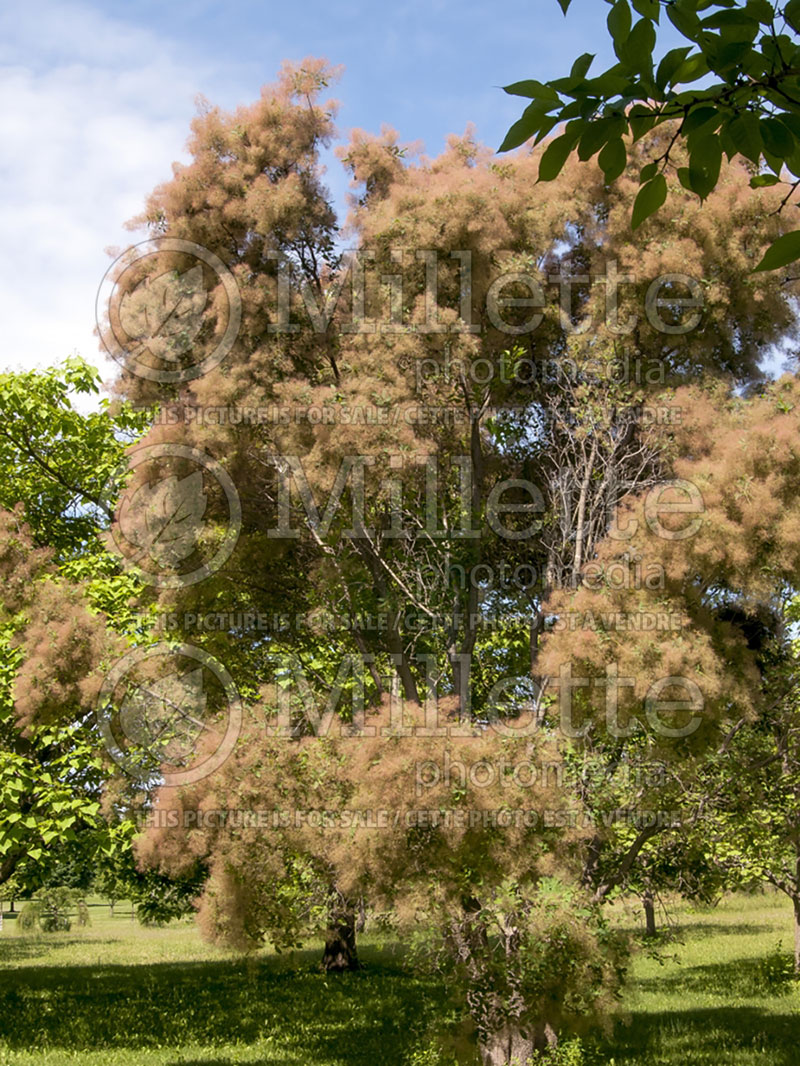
[
  {"x": 161, "y": 901},
  {"x": 55, "y": 904},
  {"x": 570, "y": 1053},
  {"x": 29, "y": 916},
  {"x": 777, "y": 969},
  {"x": 50, "y": 912}
]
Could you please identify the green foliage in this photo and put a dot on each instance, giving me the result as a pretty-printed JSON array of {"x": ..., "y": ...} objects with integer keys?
[
  {"x": 83, "y": 918},
  {"x": 59, "y": 471},
  {"x": 51, "y": 912},
  {"x": 11, "y": 889},
  {"x": 569, "y": 1053},
  {"x": 530, "y": 957},
  {"x": 785, "y": 250},
  {"x": 28, "y": 919},
  {"x": 48, "y": 785},
  {"x": 746, "y": 57},
  {"x": 56, "y": 460},
  {"x": 159, "y": 899},
  {"x": 430, "y": 1055},
  {"x": 777, "y": 970}
]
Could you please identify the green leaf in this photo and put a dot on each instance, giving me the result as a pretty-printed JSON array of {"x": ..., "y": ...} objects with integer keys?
[
  {"x": 637, "y": 50},
  {"x": 697, "y": 118},
  {"x": 693, "y": 67},
  {"x": 792, "y": 123},
  {"x": 555, "y": 156},
  {"x": 641, "y": 119},
  {"x": 761, "y": 10},
  {"x": 529, "y": 123},
  {"x": 727, "y": 142},
  {"x": 735, "y": 25},
  {"x": 685, "y": 22},
  {"x": 547, "y": 125},
  {"x": 612, "y": 159},
  {"x": 530, "y": 87},
  {"x": 745, "y": 131},
  {"x": 781, "y": 252},
  {"x": 670, "y": 64},
  {"x": 611, "y": 83},
  {"x": 650, "y": 197},
  {"x": 650, "y": 9},
  {"x": 619, "y": 21},
  {"x": 759, "y": 180},
  {"x": 793, "y": 161},
  {"x": 581, "y": 66},
  {"x": 598, "y": 133},
  {"x": 564, "y": 5},
  {"x": 704, "y": 164},
  {"x": 647, "y": 172},
  {"x": 684, "y": 178},
  {"x": 791, "y": 13},
  {"x": 775, "y": 162},
  {"x": 776, "y": 137}
]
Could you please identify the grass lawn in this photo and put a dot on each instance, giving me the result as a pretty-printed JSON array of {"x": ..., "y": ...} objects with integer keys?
[{"x": 115, "y": 994}]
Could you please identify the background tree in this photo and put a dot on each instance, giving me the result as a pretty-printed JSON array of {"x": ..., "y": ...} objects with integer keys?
[
  {"x": 65, "y": 599},
  {"x": 12, "y": 890},
  {"x": 750, "y": 820},
  {"x": 737, "y": 568},
  {"x": 59, "y": 462}
]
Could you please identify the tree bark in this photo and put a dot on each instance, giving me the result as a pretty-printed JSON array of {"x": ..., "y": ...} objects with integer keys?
[
  {"x": 340, "y": 953},
  {"x": 361, "y": 920},
  {"x": 8, "y": 866},
  {"x": 649, "y": 914},
  {"x": 509, "y": 1045}
]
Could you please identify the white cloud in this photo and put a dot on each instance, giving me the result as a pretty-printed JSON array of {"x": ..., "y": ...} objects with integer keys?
[{"x": 94, "y": 113}]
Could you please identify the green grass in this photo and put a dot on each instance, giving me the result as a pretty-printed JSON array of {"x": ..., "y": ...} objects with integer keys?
[
  {"x": 711, "y": 1000},
  {"x": 116, "y": 994}
]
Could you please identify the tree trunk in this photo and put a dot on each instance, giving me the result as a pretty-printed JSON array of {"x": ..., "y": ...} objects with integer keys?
[
  {"x": 509, "y": 1045},
  {"x": 8, "y": 866},
  {"x": 340, "y": 952},
  {"x": 11, "y": 906},
  {"x": 649, "y": 914},
  {"x": 361, "y": 920}
]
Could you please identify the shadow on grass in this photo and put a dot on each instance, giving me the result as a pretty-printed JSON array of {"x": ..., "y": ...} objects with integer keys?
[
  {"x": 740, "y": 977},
  {"x": 230, "y": 1062},
  {"x": 21, "y": 947},
  {"x": 702, "y": 930},
  {"x": 352, "y": 1019},
  {"x": 720, "y": 1035}
]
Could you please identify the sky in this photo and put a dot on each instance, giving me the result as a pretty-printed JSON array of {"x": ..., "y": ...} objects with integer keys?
[{"x": 98, "y": 97}]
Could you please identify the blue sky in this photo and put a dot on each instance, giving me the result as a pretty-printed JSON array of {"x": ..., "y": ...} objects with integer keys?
[{"x": 98, "y": 99}]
